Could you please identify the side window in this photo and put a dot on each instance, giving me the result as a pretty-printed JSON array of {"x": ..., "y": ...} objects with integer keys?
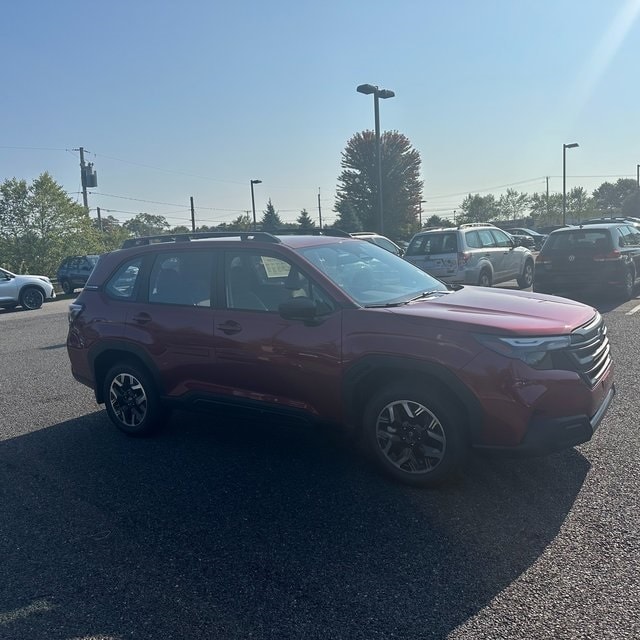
[
  {"x": 122, "y": 283},
  {"x": 473, "y": 240},
  {"x": 502, "y": 240},
  {"x": 260, "y": 282},
  {"x": 486, "y": 239},
  {"x": 181, "y": 277},
  {"x": 386, "y": 244}
]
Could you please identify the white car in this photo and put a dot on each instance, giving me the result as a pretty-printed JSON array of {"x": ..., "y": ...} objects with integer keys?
[{"x": 25, "y": 290}]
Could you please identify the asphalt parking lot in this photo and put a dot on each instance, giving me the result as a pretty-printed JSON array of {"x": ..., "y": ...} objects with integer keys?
[{"x": 219, "y": 529}]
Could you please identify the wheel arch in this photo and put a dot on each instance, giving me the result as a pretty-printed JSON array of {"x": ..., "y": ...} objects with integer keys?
[
  {"x": 372, "y": 373},
  {"x": 104, "y": 357}
]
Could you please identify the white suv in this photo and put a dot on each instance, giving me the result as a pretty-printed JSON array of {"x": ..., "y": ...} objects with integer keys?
[
  {"x": 475, "y": 253},
  {"x": 27, "y": 291}
]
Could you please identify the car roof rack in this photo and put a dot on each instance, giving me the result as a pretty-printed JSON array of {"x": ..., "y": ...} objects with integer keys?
[
  {"x": 475, "y": 224},
  {"x": 198, "y": 235},
  {"x": 334, "y": 233}
]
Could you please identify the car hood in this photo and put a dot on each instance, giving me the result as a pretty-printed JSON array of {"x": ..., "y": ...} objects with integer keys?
[
  {"x": 490, "y": 310},
  {"x": 26, "y": 279}
]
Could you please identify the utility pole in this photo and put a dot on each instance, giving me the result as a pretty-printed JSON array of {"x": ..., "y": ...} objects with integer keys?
[
  {"x": 99, "y": 218},
  {"x": 320, "y": 208},
  {"x": 547, "y": 199},
  {"x": 85, "y": 200},
  {"x": 193, "y": 215}
]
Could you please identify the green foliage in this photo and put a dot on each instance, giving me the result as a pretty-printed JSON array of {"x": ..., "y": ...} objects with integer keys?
[
  {"x": 478, "y": 208},
  {"x": 305, "y": 223},
  {"x": 512, "y": 205},
  {"x": 270, "y": 219},
  {"x": 610, "y": 198},
  {"x": 357, "y": 193},
  {"x": 40, "y": 225},
  {"x": 347, "y": 220},
  {"x": 434, "y": 222},
  {"x": 146, "y": 224}
]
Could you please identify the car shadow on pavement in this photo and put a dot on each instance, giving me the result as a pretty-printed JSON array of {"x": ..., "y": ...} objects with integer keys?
[{"x": 222, "y": 529}]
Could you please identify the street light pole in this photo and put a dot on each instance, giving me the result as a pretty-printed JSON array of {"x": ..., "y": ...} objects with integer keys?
[
  {"x": 369, "y": 89},
  {"x": 564, "y": 179},
  {"x": 638, "y": 175},
  {"x": 253, "y": 203}
]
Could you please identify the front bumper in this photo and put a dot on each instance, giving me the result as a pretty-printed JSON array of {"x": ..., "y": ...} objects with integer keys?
[{"x": 546, "y": 435}]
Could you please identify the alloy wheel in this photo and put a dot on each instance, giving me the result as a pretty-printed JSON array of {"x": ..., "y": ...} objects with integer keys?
[{"x": 128, "y": 399}]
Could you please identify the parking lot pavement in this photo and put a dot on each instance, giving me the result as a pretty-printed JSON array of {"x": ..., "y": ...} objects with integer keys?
[{"x": 228, "y": 529}]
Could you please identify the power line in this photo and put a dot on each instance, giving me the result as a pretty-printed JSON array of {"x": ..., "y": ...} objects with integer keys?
[
  {"x": 168, "y": 204},
  {"x": 502, "y": 186}
]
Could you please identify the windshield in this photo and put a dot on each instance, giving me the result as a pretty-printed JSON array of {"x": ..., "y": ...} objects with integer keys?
[
  {"x": 579, "y": 239},
  {"x": 93, "y": 260},
  {"x": 369, "y": 274}
]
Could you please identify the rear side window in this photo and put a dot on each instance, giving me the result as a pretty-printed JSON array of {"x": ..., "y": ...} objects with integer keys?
[
  {"x": 122, "y": 283},
  {"x": 433, "y": 243},
  {"x": 181, "y": 277},
  {"x": 486, "y": 238}
]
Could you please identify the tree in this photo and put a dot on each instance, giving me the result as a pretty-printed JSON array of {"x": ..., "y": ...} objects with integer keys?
[
  {"x": 512, "y": 205},
  {"x": 478, "y": 208},
  {"x": 579, "y": 205},
  {"x": 270, "y": 219},
  {"x": 436, "y": 221},
  {"x": 357, "y": 193},
  {"x": 305, "y": 222},
  {"x": 40, "y": 225},
  {"x": 609, "y": 198},
  {"x": 546, "y": 211},
  {"x": 347, "y": 220},
  {"x": 113, "y": 234},
  {"x": 146, "y": 224}
]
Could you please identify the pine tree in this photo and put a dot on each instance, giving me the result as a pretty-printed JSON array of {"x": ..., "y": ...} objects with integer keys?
[
  {"x": 270, "y": 219},
  {"x": 305, "y": 222}
]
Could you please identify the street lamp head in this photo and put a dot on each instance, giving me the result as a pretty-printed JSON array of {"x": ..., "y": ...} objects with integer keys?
[
  {"x": 367, "y": 89},
  {"x": 573, "y": 145},
  {"x": 256, "y": 182},
  {"x": 386, "y": 93}
]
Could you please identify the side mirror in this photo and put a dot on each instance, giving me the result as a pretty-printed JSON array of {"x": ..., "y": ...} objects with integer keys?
[{"x": 298, "y": 309}]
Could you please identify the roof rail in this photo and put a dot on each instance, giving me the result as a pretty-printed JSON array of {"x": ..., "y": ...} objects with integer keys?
[
  {"x": 198, "y": 235},
  {"x": 335, "y": 233},
  {"x": 475, "y": 224}
]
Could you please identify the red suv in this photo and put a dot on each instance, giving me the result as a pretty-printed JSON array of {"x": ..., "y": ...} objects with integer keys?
[{"x": 336, "y": 330}]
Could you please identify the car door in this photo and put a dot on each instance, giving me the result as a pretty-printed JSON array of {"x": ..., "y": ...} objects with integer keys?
[
  {"x": 173, "y": 318},
  {"x": 293, "y": 365},
  {"x": 507, "y": 260},
  {"x": 631, "y": 246},
  {"x": 8, "y": 288}
]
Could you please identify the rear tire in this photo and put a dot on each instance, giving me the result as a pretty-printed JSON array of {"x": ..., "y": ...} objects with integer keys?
[
  {"x": 66, "y": 287},
  {"x": 525, "y": 280},
  {"x": 485, "y": 278},
  {"x": 413, "y": 436},
  {"x": 31, "y": 298},
  {"x": 628, "y": 285},
  {"x": 132, "y": 400}
]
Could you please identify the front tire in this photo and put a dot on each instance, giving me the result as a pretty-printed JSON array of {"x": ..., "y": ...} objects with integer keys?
[
  {"x": 414, "y": 436},
  {"x": 525, "y": 280},
  {"x": 31, "y": 298},
  {"x": 132, "y": 400}
]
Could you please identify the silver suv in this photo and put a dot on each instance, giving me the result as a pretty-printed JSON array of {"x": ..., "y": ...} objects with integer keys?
[{"x": 475, "y": 253}]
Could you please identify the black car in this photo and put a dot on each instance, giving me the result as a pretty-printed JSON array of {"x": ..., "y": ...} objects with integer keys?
[
  {"x": 536, "y": 237},
  {"x": 74, "y": 272},
  {"x": 601, "y": 257}
]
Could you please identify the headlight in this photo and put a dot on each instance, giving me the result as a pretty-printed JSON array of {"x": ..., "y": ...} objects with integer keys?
[{"x": 532, "y": 350}]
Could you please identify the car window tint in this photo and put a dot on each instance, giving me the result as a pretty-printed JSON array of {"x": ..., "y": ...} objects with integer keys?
[
  {"x": 579, "y": 239},
  {"x": 256, "y": 281},
  {"x": 502, "y": 240},
  {"x": 386, "y": 244},
  {"x": 122, "y": 283},
  {"x": 473, "y": 240},
  {"x": 181, "y": 277},
  {"x": 486, "y": 238}
]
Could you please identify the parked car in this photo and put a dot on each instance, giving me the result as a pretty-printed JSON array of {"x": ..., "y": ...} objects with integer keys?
[
  {"x": 522, "y": 240},
  {"x": 74, "y": 272},
  {"x": 477, "y": 253},
  {"x": 27, "y": 291},
  {"x": 306, "y": 328},
  {"x": 381, "y": 241},
  {"x": 538, "y": 238},
  {"x": 598, "y": 256}
]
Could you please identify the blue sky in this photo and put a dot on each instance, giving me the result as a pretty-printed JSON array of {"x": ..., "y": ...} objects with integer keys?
[{"x": 195, "y": 98}]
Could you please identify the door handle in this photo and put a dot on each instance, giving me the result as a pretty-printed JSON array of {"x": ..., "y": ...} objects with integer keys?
[
  {"x": 230, "y": 327},
  {"x": 141, "y": 318}
]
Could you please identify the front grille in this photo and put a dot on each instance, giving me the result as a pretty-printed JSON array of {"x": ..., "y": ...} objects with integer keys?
[{"x": 590, "y": 353}]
